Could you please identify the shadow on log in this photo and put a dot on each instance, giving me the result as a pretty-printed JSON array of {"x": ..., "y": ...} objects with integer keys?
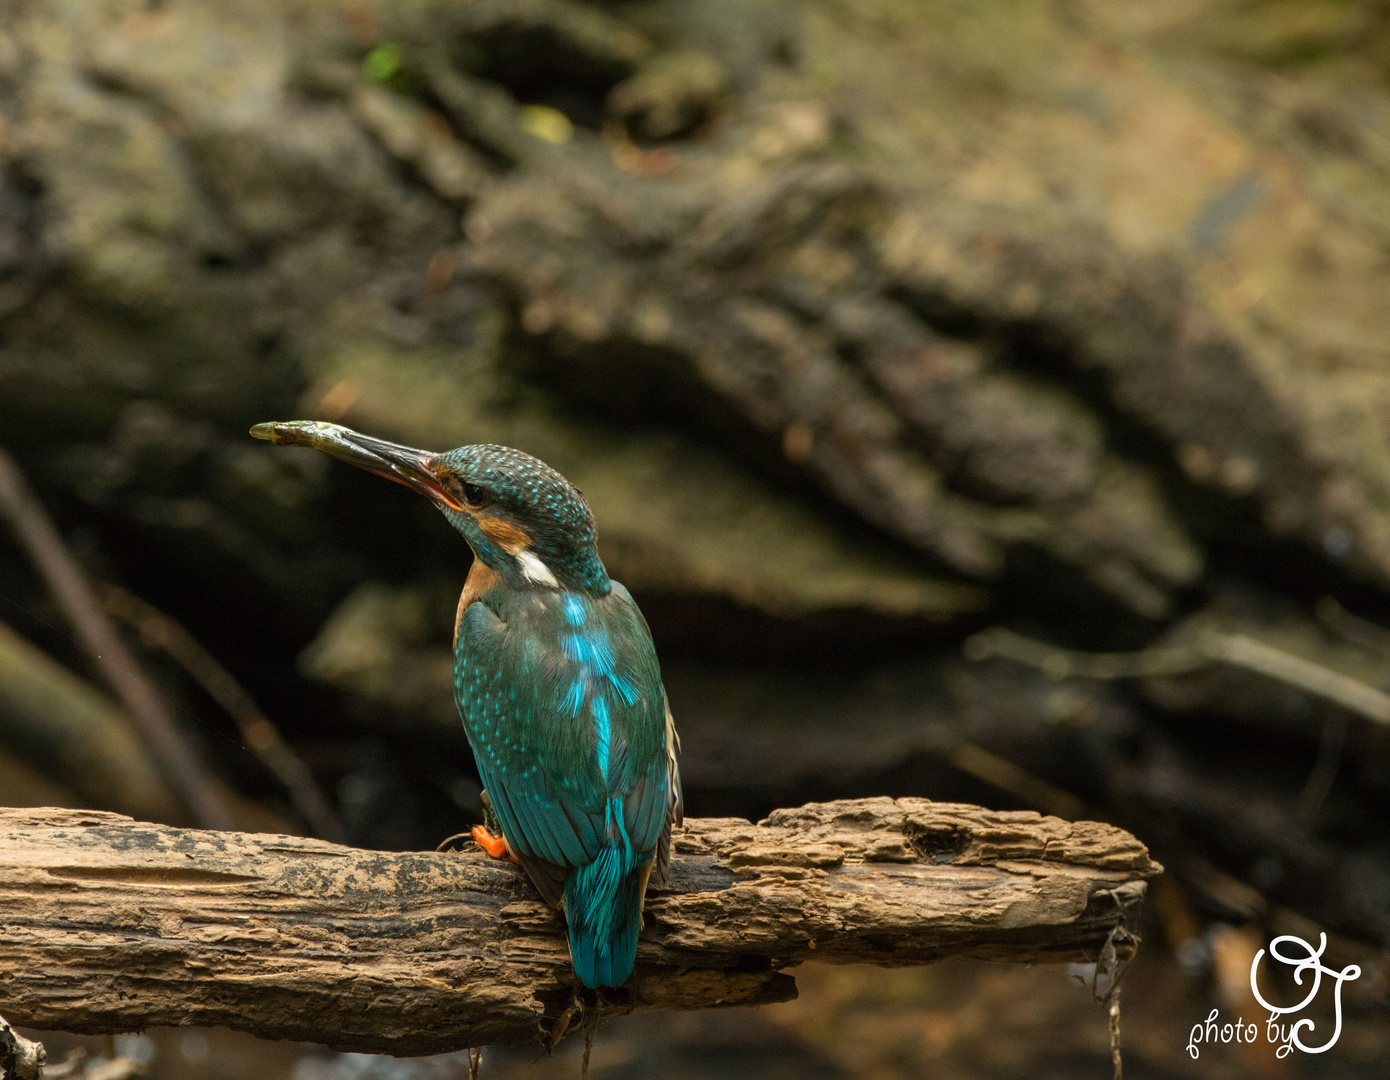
[{"x": 113, "y": 925}]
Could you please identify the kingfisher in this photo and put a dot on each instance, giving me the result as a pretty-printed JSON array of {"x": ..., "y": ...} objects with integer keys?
[{"x": 557, "y": 681}]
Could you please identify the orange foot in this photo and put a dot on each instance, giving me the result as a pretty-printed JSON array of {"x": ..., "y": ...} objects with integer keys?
[{"x": 496, "y": 846}]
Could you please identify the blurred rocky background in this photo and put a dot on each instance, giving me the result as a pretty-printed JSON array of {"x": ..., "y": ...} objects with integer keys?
[{"x": 866, "y": 326}]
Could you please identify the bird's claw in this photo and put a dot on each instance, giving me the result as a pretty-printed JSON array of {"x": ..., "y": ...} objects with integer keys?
[{"x": 496, "y": 846}]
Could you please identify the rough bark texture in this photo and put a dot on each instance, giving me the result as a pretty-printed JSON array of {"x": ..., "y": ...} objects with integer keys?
[{"x": 112, "y": 925}]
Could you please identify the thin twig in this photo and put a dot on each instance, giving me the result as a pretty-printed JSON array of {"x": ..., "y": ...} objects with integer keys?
[
  {"x": 1237, "y": 650},
  {"x": 39, "y": 537},
  {"x": 1005, "y": 775},
  {"x": 74, "y": 1064},
  {"x": 1115, "y": 1035},
  {"x": 1058, "y": 663},
  {"x": 160, "y": 631},
  {"x": 1319, "y": 783},
  {"x": 1353, "y": 628},
  {"x": 1221, "y": 890},
  {"x": 1352, "y": 694}
]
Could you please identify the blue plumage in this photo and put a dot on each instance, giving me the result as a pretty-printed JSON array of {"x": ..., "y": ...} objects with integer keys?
[
  {"x": 582, "y": 780},
  {"x": 603, "y": 906},
  {"x": 557, "y": 682}
]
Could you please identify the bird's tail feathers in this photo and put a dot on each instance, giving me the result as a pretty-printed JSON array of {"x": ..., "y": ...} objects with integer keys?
[{"x": 603, "y": 905}]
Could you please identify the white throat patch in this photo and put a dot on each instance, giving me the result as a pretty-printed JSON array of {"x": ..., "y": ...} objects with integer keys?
[{"x": 534, "y": 570}]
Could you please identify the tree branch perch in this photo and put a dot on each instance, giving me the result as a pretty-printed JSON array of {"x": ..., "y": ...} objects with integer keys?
[{"x": 108, "y": 924}]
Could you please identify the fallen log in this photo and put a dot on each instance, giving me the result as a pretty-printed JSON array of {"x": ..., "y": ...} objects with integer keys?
[{"x": 108, "y": 924}]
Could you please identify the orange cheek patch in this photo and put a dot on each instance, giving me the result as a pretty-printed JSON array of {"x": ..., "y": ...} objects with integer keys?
[{"x": 510, "y": 538}]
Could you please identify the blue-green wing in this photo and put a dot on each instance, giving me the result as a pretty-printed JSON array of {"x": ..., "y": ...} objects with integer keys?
[{"x": 563, "y": 705}]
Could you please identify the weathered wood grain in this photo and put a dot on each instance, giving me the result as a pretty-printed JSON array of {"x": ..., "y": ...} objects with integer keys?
[{"x": 108, "y": 924}]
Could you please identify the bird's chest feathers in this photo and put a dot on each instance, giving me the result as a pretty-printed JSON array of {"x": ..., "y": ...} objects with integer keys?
[{"x": 481, "y": 579}]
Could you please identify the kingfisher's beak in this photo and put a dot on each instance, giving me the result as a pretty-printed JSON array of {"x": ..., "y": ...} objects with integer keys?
[{"x": 405, "y": 465}]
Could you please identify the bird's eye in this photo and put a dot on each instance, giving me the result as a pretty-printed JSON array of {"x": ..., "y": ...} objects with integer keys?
[{"x": 475, "y": 495}]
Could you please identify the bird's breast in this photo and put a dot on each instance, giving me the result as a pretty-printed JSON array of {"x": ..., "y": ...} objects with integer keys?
[{"x": 481, "y": 579}]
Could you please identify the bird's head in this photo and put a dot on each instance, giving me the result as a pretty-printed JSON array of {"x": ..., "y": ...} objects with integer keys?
[{"x": 520, "y": 517}]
